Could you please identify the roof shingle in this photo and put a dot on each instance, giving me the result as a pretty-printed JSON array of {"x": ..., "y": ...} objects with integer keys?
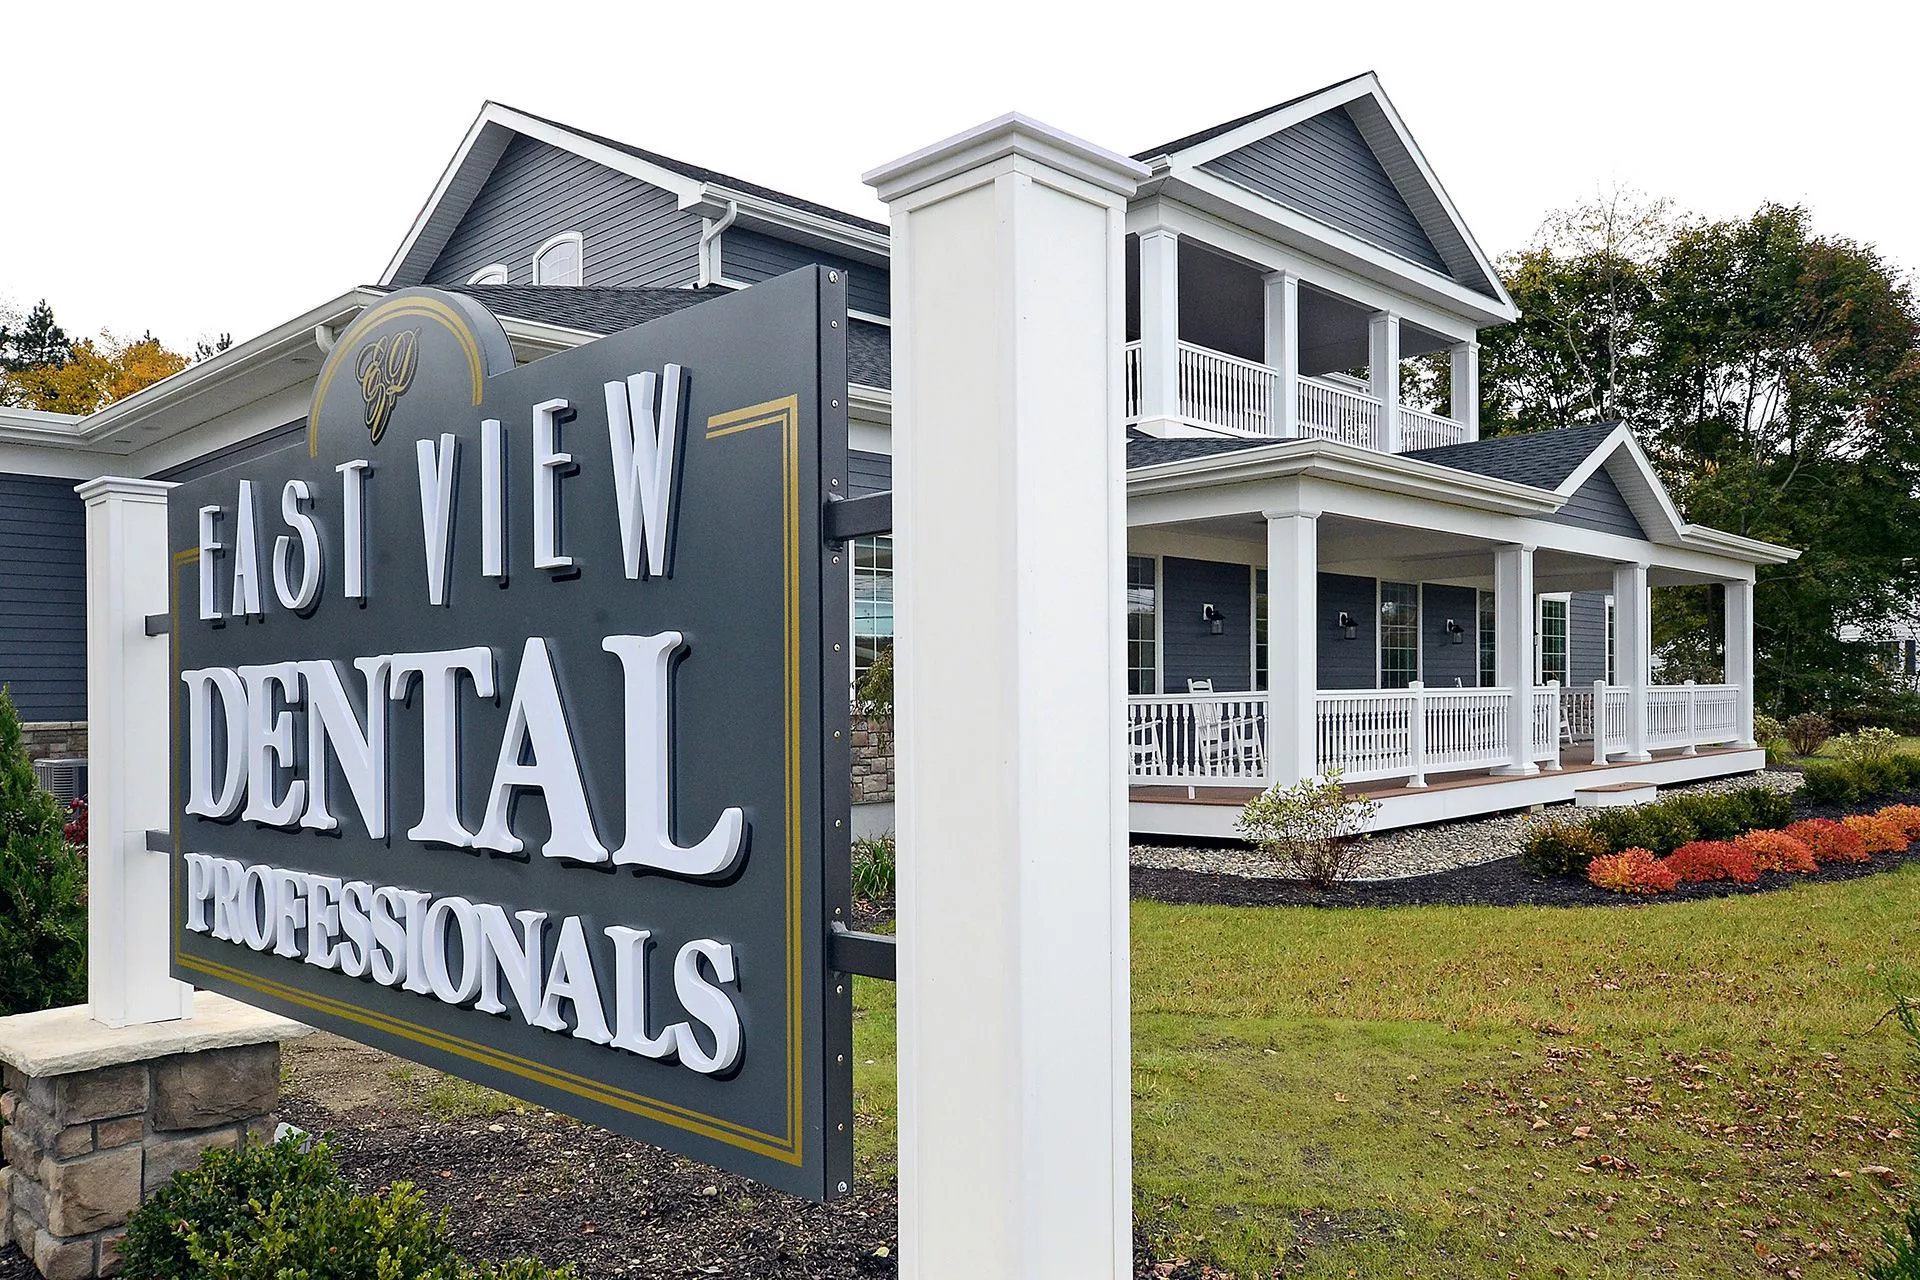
[{"x": 1543, "y": 459}]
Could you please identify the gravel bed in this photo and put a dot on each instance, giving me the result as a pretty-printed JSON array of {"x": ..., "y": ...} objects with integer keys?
[{"x": 1412, "y": 851}]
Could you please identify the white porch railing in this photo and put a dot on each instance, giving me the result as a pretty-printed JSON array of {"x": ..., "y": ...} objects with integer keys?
[
  {"x": 1335, "y": 413},
  {"x": 1225, "y": 391},
  {"x": 1220, "y": 739},
  {"x": 1422, "y": 430}
]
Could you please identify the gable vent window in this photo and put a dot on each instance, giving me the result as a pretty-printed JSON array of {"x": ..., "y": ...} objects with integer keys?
[
  {"x": 495, "y": 274},
  {"x": 559, "y": 260}
]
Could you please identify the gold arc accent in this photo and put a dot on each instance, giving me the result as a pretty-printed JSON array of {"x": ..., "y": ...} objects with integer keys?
[
  {"x": 784, "y": 413},
  {"x": 424, "y": 308}
]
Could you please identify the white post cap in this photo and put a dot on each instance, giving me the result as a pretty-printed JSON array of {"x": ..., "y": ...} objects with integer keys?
[{"x": 1009, "y": 135}]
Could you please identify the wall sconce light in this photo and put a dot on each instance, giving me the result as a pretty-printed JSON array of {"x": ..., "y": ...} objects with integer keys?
[
  {"x": 1348, "y": 629},
  {"x": 1455, "y": 633},
  {"x": 1216, "y": 621}
]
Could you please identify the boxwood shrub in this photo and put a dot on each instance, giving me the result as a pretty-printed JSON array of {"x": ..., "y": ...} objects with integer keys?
[{"x": 1849, "y": 781}]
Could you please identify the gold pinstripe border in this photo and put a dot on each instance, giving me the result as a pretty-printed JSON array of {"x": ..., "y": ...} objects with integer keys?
[{"x": 424, "y": 308}]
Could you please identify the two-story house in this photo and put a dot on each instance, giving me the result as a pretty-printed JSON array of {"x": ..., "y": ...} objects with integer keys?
[{"x": 1328, "y": 568}]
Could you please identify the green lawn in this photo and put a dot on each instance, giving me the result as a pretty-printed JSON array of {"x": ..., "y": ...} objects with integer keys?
[{"x": 1681, "y": 1089}]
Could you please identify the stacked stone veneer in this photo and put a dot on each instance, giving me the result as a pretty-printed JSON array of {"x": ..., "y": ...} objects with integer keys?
[
  {"x": 83, "y": 1149},
  {"x": 54, "y": 739},
  {"x": 872, "y": 743}
]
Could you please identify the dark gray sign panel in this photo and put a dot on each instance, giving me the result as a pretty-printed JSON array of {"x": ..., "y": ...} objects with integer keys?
[{"x": 510, "y": 711}]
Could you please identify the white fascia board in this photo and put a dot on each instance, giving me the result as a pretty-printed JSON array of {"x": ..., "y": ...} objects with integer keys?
[
  {"x": 171, "y": 392},
  {"x": 756, "y": 212},
  {"x": 461, "y": 156},
  {"x": 1346, "y": 464},
  {"x": 1269, "y": 217},
  {"x": 1334, "y": 95},
  {"x": 1752, "y": 550},
  {"x": 58, "y": 462},
  {"x": 1268, "y": 254},
  {"x": 37, "y": 427}
]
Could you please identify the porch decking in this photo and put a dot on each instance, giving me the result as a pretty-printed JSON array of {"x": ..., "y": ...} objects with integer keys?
[{"x": 1210, "y": 812}]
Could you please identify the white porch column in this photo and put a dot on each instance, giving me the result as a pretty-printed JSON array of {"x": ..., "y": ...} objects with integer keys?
[
  {"x": 1513, "y": 650},
  {"x": 129, "y": 700},
  {"x": 1383, "y": 367},
  {"x": 1739, "y": 645},
  {"x": 1293, "y": 633},
  {"x": 1464, "y": 380},
  {"x": 1159, "y": 327},
  {"x": 1633, "y": 651},
  {"x": 1015, "y": 1089},
  {"x": 1283, "y": 350}
]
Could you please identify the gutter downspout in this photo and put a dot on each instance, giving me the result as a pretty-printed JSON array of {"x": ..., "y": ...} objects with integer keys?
[{"x": 710, "y": 234}]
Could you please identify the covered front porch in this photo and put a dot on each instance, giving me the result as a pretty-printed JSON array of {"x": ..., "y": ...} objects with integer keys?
[{"x": 1448, "y": 661}]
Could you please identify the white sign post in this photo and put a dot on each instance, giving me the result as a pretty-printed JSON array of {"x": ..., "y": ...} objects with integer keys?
[
  {"x": 129, "y": 687},
  {"x": 1009, "y": 500}
]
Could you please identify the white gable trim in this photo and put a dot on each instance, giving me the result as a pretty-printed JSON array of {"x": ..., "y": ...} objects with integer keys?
[
  {"x": 487, "y": 138},
  {"x": 1432, "y": 207}
]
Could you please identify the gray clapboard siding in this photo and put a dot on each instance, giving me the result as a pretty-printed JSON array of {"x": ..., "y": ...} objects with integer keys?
[
  {"x": 1324, "y": 168},
  {"x": 868, "y": 472},
  {"x": 634, "y": 234},
  {"x": 1443, "y": 662},
  {"x": 43, "y": 597},
  {"x": 1191, "y": 650},
  {"x": 1586, "y": 638},
  {"x": 1343, "y": 663},
  {"x": 750, "y": 257},
  {"x": 1598, "y": 504}
]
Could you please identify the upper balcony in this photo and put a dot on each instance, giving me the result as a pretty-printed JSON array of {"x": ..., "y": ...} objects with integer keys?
[{"x": 1224, "y": 348}]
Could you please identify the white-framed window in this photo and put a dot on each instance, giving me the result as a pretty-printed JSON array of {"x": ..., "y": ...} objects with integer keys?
[
  {"x": 1142, "y": 624},
  {"x": 1550, "y": 639},
  {"x": 1259, "y": 628},
  {"x": 872, "y": 600},
  {"x": 1399, "y": 634},
  {"x": 1612, "y": 669},
  {"x": 495, "y": 274},
  {"x": 1487, "y": 638},
  {"x": 560, "y": 260}
]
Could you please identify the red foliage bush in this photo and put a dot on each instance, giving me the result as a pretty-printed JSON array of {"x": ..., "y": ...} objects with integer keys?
[
  {"x": 1904, "y": 816},
  {"x": 1829, "y": 840},
  {"x": 1631, "y": 871},
  {"x": 1877, "y": 834},
  {"x": 1778, "y": 851},
  {"x": 1705, "y": 860},
  {"x": 76, "y": 829}
]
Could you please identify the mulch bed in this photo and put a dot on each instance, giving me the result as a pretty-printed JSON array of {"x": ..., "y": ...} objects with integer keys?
[{"x": 1505, "y": 883}]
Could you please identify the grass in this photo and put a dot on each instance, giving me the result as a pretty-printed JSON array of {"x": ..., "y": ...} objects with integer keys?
[
  {"x": 451, "y": 1098},
  {"x": 1685, "y": 1088}
]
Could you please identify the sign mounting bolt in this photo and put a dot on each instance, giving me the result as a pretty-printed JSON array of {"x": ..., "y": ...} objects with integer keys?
[
  {"x": 833, "y": 277},
  {"x": 843, "y": 1188}
]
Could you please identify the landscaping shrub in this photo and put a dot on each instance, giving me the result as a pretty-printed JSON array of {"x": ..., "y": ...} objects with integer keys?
[
  {"x": 1706, "y": 860},
  {"x": 1904, "y": 816},
  {"x": 1562, "y": 846},
  {"x": 279, "y": 1213},
  {"x": 1760, "y": 808},
  {"x": 1660, "y": 827},
  {"x": 1778, "y": 851},
  {"x": 1632, "y": 871},
  {"x": 1829, "y": 782},
  {"x": 1312, "y": 827},
  {"x": 1865, "y": 744},
  {"x": 43, "y": 887},
  {"x": 1876, "y": 834},
  {"x": 873, "y": 866},
  {"x": 1830, "y": 841},
  {"x": 1766, "y": 728},
  {"x": 1808, "y": 732}
]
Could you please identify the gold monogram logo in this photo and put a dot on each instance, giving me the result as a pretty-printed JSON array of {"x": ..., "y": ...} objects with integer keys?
[{"x": 385, "y": 368}]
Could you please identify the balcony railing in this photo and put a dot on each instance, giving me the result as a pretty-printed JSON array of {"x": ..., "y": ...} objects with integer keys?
[
  {"x": 1228, "y": 393},
  {"x": 1220, "y": 739}
]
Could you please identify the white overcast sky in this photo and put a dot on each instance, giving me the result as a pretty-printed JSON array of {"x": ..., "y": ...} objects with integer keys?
[{"x": 193, "y": 168}]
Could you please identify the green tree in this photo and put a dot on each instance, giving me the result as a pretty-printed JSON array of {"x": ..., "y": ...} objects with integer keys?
[
  {"x": 1774, "y": 376},
  {"x": 33, "y": 341},
  {"x": 43, "y": 887}
]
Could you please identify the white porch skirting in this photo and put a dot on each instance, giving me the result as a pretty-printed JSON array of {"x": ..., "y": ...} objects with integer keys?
[{"x": 1213, "y": 812}]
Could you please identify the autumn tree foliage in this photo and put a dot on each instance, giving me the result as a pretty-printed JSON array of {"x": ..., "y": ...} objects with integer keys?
[{"x": 41, "y": 368}]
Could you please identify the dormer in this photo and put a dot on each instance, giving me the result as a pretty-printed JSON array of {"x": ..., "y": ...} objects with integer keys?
[{"x": 1282, "y": 267}]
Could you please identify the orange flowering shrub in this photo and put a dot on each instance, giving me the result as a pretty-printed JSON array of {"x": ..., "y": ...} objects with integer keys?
[
  {"x": 1778, "y": 851},
  {"x": 1705, "y": 860},
  {"x": 1631, "y": 871},
  {"x": 1830, "y": 841},
  {"x": 1877, "y": 834},
  {"x": 1904, "y": 816}
]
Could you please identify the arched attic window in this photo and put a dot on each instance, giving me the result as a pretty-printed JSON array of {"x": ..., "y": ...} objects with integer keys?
[
  {"x": 559, "y": 260},
  {"x": 495, "y": 274}
]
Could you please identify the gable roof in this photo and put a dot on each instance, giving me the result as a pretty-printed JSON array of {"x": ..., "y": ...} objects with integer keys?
[
  {"x": 602, "y": 311},
  {"x": 1543, "y": 459},
  {"x": 712, "y": 193},
  {"x": 1191, "y": 160}
]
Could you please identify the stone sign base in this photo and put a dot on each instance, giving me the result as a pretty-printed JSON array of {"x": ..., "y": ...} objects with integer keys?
[{"x": 99, "y": 1118}]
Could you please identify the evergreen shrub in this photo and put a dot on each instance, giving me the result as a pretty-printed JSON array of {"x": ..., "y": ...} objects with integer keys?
[{"x": 43, "y": 887}]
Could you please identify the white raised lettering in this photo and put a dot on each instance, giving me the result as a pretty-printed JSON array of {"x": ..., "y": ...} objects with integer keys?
[{"x": 536, "y": 723}]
